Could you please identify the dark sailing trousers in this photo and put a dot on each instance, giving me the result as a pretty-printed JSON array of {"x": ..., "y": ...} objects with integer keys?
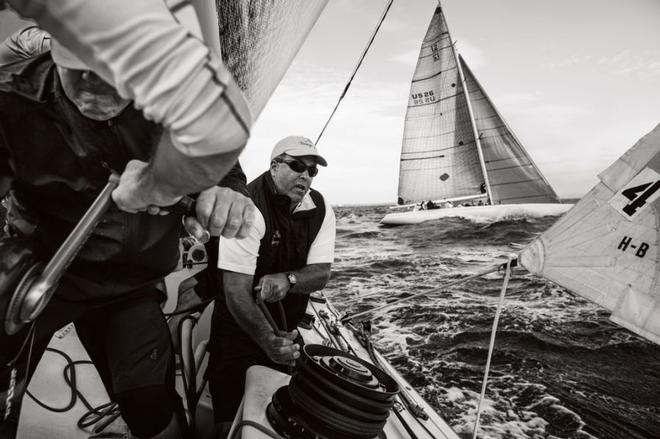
[
  {"x": 128, "y": 341},
  {"x": 229, "y": 360}
]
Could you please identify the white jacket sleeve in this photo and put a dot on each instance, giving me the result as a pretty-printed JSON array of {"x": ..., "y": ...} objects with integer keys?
[{"x": 139, "y": 47}]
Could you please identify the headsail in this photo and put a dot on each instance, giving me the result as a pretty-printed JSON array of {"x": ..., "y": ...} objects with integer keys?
[
  {"x": 513, "y": 176},
  {"x": 439, "y": 158},
  {"x": 606, "y": 247}
]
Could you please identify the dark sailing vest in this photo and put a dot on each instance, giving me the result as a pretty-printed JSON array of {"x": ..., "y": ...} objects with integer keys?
[
  {"x": 283, "y": 248},
  {"x": 55, "y": 162}
]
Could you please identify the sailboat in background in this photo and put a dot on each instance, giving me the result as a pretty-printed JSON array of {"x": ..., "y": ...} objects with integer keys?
[{"x": 458, "y": 149}]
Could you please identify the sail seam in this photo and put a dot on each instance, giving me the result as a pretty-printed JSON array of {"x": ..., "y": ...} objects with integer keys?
[
  {"x": 424, "y": 158},
  {"x": 511, "y": 167},
  {"x": 432, "y": 76},
  {"x": 507, "y": 158},
  {"x": 436, "y": 150},
  {"x": 439, "y": 49},
  {"x": 515, "y": 182},
  {"x": 434, "y": 40}
]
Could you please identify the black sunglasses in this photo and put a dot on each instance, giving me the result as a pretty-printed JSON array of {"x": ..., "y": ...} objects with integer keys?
[{"x": 300, "y": 167}]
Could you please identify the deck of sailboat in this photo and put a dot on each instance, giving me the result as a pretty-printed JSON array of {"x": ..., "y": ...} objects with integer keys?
[{"x": 414, "y": 417}]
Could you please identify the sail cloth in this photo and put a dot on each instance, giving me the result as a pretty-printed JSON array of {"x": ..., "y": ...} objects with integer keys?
[
  {"x": 606, "y": 247},
  {"x": 513, "y": 176},
  {"x": 259, "y": 38},
  {"x": 439, "y": 157}
]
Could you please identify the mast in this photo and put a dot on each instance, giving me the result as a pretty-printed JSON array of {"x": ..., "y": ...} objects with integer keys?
[{"x": 472, "y": 121}]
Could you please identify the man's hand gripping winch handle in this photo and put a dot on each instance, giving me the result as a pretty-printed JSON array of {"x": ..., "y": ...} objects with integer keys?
[{"x": 37, "y": 287}]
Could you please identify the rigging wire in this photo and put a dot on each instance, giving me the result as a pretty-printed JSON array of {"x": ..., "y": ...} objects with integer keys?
[
  {"x": 491, "y": 346},
  {"x": 357, "y": 66},
  {"x": 493, "y": 269}
]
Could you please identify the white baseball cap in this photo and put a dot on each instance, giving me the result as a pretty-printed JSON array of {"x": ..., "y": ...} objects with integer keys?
[{"x": 297, "y": 146}]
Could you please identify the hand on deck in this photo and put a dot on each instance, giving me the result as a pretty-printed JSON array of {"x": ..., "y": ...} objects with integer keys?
[
  {"x": 221, "y": 211},
  {"x": 273, "y": 287},
  {"x": 280, "y": 348}
]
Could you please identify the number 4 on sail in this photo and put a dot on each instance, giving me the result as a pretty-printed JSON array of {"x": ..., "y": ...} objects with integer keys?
[{"x": 642, "y": 190}]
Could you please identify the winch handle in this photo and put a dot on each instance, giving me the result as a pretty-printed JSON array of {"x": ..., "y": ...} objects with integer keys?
[{"x": 39, "y": 293}]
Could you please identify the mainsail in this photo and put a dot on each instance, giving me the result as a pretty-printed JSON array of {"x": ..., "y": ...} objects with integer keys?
[
  {"x": 438, "y": 158},
  {"x": 606, "y": 247},
  {"x": 455, "y": 144}
]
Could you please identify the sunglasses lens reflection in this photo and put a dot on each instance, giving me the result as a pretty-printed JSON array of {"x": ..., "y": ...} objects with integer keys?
[{"x": 300, "y": 167}]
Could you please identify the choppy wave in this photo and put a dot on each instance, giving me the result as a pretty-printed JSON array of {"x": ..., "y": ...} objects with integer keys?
[{"x": 560, "y": 368}]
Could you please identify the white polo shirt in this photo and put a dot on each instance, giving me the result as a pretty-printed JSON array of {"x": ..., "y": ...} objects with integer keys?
[{"x": 240, "y": 255}]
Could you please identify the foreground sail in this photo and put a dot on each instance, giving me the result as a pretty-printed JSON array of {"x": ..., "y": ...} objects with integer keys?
[
  {"x": 457, "y": 147},
  {"x": 606, "y": 248},
  {"x": 257, "y": 39}
]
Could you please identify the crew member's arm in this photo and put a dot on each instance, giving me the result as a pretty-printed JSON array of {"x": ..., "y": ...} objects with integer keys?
[
  {"x": 235, "y": 180},
  {"x": 238, "y": 262},
  {"x": 138, "y": 47},
  {"x": 22, "y": 44},
  {"x": 313, "y": 276}
]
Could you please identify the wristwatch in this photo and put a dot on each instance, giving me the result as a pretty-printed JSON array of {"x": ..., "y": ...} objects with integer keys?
[{"x": 292, "y": 279}]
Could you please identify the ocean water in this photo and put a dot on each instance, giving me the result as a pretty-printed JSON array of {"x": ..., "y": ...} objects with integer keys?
[{"x": 560, "y": 369}]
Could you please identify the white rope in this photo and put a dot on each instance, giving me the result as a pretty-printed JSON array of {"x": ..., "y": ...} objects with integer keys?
[{"x": 505, "y": 284}]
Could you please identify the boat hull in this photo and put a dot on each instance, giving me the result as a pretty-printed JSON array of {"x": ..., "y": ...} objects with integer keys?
[{"x": 476, "y": 213}]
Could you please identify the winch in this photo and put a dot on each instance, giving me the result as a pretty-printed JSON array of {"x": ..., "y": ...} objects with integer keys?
[{"x": 332, "y": 395}]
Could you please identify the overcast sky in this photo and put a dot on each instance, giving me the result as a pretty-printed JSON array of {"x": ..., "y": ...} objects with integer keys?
[{"x": 578, "y": 81}]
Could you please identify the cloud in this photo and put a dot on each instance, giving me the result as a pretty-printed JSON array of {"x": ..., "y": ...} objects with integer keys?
[
  {"x": 473, "y": 56},
  {"x": 407, "y": 58},
  {"x": 362, "y": 142},
  {"x": 645, "y": 64}
]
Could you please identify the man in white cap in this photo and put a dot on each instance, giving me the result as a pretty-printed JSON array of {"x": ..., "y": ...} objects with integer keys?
[
  {"x": 286, "y": 256},
  {"x": 62, "y": 128}
]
